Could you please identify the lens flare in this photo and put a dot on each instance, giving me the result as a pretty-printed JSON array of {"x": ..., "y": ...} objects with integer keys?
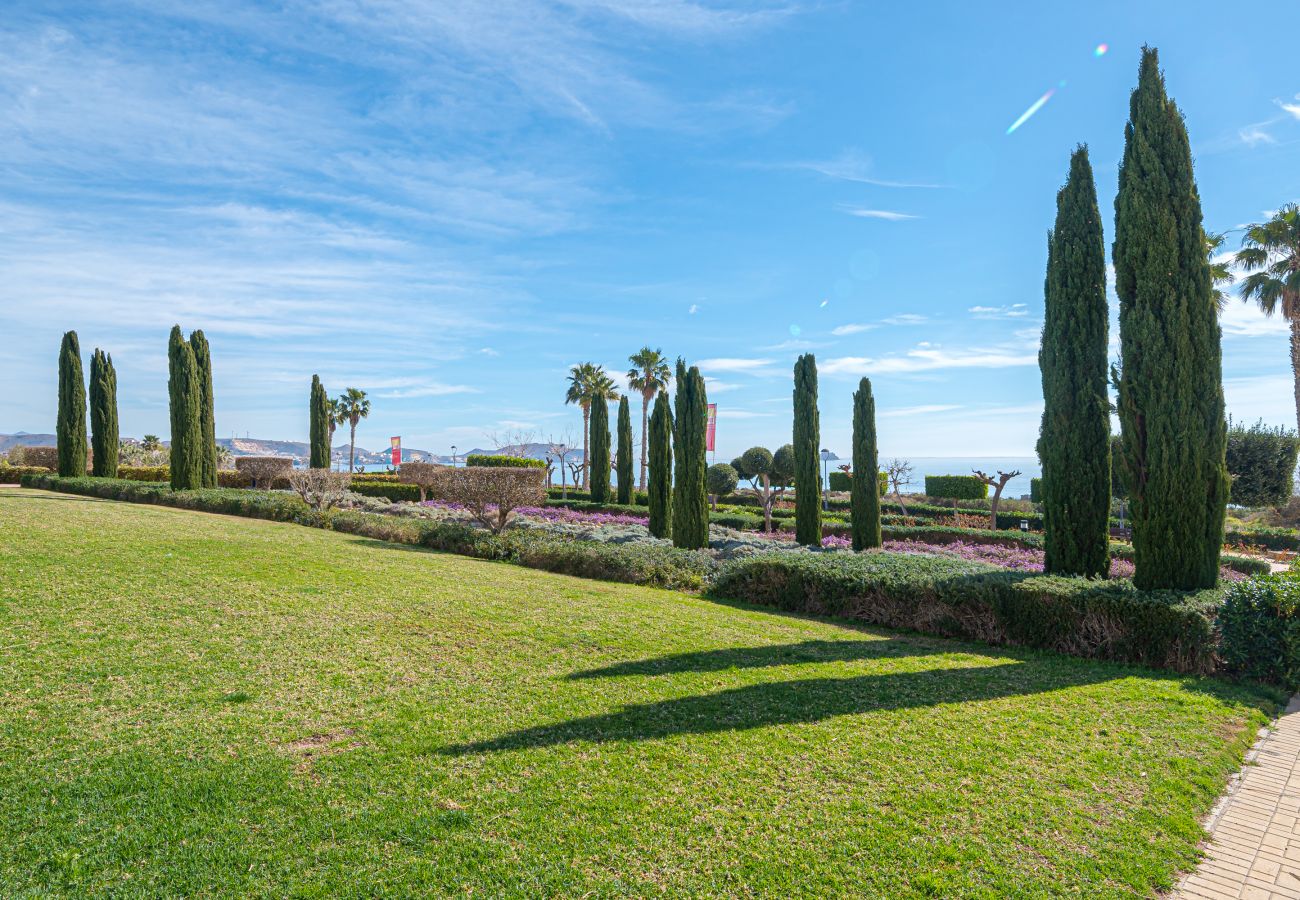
[
  {"x": 1037, "y": 105},
  {"x": 1101, "y": 50}
]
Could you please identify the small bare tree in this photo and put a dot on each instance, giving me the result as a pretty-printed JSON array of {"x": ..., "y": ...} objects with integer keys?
[
  {"x": 559, "y": 449},
  {"x": 997, "y": 484},
  {"x": 321, "y": 489},
  {"x": 491, "y": 493},
  {"x": 899, "y": 473},
  {"x": 420, "y": 474},
  {"x": 512, "y": 440}
]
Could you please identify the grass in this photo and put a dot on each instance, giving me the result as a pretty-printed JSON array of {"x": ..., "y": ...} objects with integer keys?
[{"x": 201, "y": 705}]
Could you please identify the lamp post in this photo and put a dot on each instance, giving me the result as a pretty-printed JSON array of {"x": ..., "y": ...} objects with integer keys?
[
  {"x": 826, "y": 460},
  {"x": 453, "y": 456}
]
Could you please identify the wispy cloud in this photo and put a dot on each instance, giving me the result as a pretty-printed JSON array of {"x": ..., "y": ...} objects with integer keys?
[
  {"x": 1010, "y": 311},
  {"x": 1253, "y": 135},
  {"x": 852, "y": 165},
  {"x": 854, "y": 328},
  {"x": 925, "y": 358},
  {"x": 923, "y": 410},
  {"x": 428, "y": 390},
  {"x": 888, "y": 215},
  {"x": 1291, "y": 108}
]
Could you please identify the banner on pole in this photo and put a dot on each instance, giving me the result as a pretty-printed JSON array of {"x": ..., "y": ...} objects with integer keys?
[
  {"x": 710, "y": 426},
  {"x": 396, "y": 443}
]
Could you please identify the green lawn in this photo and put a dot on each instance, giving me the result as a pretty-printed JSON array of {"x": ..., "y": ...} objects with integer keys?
[{"x": 202, "y": 705}]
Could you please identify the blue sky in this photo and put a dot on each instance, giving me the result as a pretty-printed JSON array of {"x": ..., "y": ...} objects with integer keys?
[{"x": 449, "y": 203}]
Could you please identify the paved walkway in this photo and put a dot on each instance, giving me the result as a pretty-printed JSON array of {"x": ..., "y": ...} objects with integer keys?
[{"x": 1254, "y": 849}]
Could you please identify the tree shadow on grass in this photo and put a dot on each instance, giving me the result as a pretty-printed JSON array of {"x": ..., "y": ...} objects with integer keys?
[
  {"x": 811, "y": 651},
  {"x": 799, "y": 702}
]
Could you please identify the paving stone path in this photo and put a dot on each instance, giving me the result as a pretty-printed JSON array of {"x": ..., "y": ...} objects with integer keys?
[{"x": 1254, "y": 849}]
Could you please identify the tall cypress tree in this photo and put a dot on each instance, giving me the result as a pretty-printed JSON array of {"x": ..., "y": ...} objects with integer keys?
[
  {"x": 1174, "y": 435},
  {"x": 187, "y": 433},
  {"x": 807, "y": 469},
  {"x": 660, "y": 487},
  {"x": 103, "y": 415},
  {"x": 624, "y": 452},
  {"x": 1074, "y": 442},
  {"x": 690, "y": 494},
  {"x": 865, "y": 486},
  {"x": 320, "y": 425},
  {"x": 71, "y": 427},
  {"x": 599, "y": 444},
  {"x": 207, "y": 414}
]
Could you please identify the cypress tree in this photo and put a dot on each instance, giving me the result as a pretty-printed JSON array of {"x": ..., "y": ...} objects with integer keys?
[
  {"x": 865, "y": 486},
  {"x": 103, "y": 415},
  {"x": 320, "y": 425},
  {"x": 207, "y": 414},
  {"x": 599, "y": 478},
  {"x": 187, "y": 434},
  {"x": 807, "y": 458},
  {"x": 1170, "y": 383},
  {"x": 1074, "y": 441},
  {"x": 660, "y": 488},
  {"x": 71, "y": 427},
  {"x": 624, "y": 453},
  {"x": 690, "y": 494}
]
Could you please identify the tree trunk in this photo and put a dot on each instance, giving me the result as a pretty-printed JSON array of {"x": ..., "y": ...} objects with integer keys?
[
  {"x": 645, "y": 418},
  {"x": 993, "y": 508},
  {"x": 586, "y": 436},
  {"x": 1295, "y": 364},
  {"x": 352, "y": 449},
  {"x": 767, "y": 505}
]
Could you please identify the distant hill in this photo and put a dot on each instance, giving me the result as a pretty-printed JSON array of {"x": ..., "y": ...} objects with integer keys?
[{"x": 23, "y": 439}]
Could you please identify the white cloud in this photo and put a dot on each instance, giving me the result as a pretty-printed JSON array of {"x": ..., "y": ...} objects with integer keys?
[
  {"x": 428, "y": 390},
  {"x": 926, "y": 357},
  {"x": 888, "y": 215},
  {"x": 1247, "y": 320},
  {"x": 1013, "y": 311},
  {"x": 1267, "y": 397},
  {"x": 1254, "y": 135},
  {"x": 695, "y": 307},
  {"x": 917, "y": 410},
  {"x": 488, "y": 351},
  {"x": 1292, "y": 109},
  {"x": 726, "y": 413},
  {"x": 905, "y": 319},
  {"x": 854, "y": 166},
  {"x": 853, "y": 328}
]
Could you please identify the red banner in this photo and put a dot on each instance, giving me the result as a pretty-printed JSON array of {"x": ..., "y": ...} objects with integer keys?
[
  {"x": 710, "y": 426},
  {"x": 396, "y": 443}
]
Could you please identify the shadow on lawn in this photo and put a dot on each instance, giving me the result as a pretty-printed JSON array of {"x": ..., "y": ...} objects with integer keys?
[
  {"x": 802, "y": 701},
  {"x": 763, "y": 657}
]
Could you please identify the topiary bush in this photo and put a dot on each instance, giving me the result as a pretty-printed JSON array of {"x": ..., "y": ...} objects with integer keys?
[
  {"x": 956, "y": 487},
  {"x": 40, "y": 457},
  {"x": 1260, "y": 626},
  {"x": 264, "y": 470},
  {"x": 14, "y": 474},
  {"x": 419, "y": 474},
  {"x": 503, "y": 461},
  {"x": 490, "y": 493}
]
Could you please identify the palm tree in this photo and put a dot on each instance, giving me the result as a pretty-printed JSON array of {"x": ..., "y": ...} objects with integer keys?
[
  {"x": 1271, "y": 253},
  {"x": 1220, "y": 272},
  {"x": 588, "y": 382},
  {"x": 649, "y": 374},
  {"x": 353, "y": 407}
]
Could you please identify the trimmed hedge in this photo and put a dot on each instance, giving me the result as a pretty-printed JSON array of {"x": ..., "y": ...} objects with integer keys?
[
  {"x": 1268, "y": 538},
  {"x": 957, "y": 598},
  {"x": 1260, "y": 624},
  {"x": 1035, "y": 490},
  {"x": 14, "y": 474},
  {"x": 956, "y": 487},
  {"x": 389, "y": 490},
  {"x": 843, "y": 481},
  {"x": 501, "y": 460}
]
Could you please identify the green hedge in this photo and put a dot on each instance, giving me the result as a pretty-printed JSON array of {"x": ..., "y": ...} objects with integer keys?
[
  {"x": 957, "y": 598},
  {"x": 14, "y": 474},
  {"x": 501, "y": 460},
  {"x": 956, "y": 487},
  {"x": 1036, "y": 490},
  {"x": 1268, "y": 538},
  {"x": 390, "y": 490},
  {"x": 843, "y": 481},
  {"x": 1260, "y": 625}
]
